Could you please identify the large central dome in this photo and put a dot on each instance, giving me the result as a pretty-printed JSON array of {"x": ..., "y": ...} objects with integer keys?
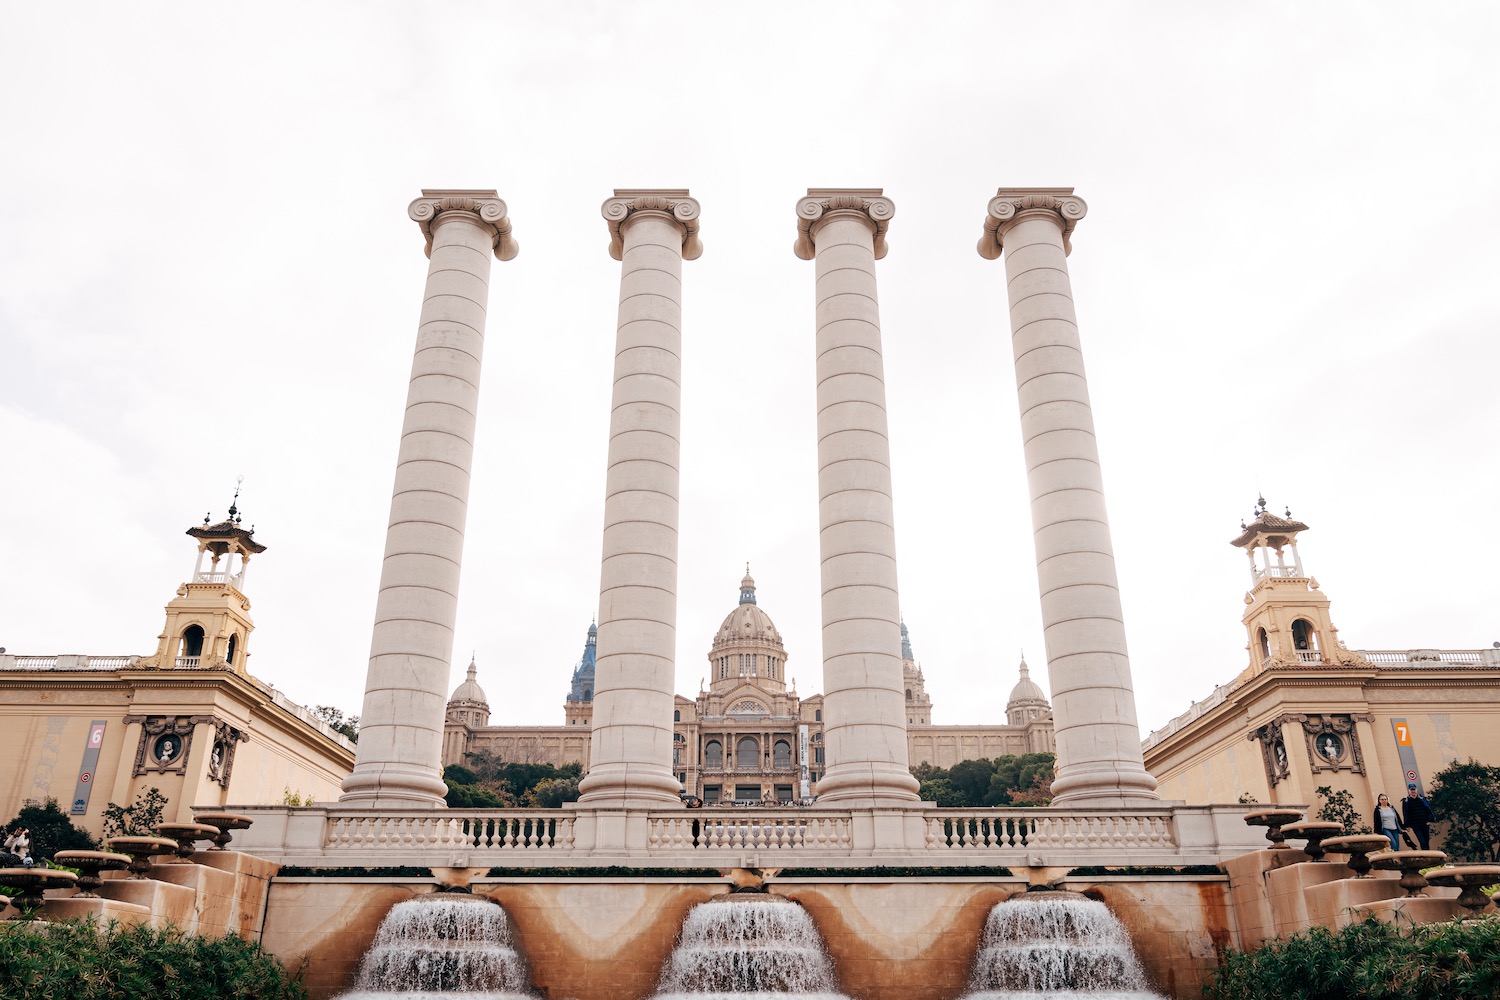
[
  {"x": 747, "y": 622},
  {"x": 747, "y": 645}
]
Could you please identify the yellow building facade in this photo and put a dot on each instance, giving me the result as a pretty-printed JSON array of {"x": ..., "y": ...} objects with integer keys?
[
  {"x": 1308, "y": 712},
  {"x": 188, "y": 719}
]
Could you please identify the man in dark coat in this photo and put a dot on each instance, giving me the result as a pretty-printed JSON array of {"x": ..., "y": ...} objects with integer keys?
[{"x": 1416, "y": 814}]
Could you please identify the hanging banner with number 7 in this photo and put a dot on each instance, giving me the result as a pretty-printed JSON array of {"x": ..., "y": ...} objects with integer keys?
[{"x": 1407, "y": 751}]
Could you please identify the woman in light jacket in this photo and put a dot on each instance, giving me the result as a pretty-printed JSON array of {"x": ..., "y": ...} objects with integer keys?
[{"x": 1388, "y": 821}]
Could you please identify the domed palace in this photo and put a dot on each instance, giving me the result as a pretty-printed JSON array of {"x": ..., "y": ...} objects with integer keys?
[{"x": 749, "y": 737}]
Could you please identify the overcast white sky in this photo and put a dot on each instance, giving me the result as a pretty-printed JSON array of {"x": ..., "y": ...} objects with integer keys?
[{"x": 1286, "y": 283}]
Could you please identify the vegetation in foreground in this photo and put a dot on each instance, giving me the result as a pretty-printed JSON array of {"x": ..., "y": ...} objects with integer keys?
[
  {"x": 80, "y": 960},
  {"x": 1371, "y": 960}
]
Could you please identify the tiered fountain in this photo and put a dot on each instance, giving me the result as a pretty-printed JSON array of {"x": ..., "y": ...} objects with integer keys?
[
  {"x": 1056, "y": 945},
  {"x": 440, "y": 944},
  {"x": 749, "y": 945}
]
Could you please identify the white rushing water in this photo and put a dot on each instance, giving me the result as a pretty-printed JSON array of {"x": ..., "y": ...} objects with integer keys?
[
  {"x": 1056, "y": 946},
  {"x": 749, "y": 948},
  {"x": 442, "y": 945}
]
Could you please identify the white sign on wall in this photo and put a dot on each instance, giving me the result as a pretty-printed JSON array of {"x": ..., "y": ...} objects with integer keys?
[{"x": 805, "y": 789}]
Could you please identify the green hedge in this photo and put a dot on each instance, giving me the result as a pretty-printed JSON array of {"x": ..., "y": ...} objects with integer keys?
[
  {"x": 1094, "y": 871},
  {"x": 1370, "y": 960},
  {"x": 402, "y": 871},
  {"x": 610, "y": 871},
  {"x": 80, "y": 960},
  {"x": 884, "y": 871}
]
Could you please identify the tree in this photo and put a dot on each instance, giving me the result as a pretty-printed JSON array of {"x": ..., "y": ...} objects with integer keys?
[
  {"x": 51, "y": 830},
  {"x": 139, "y": 819},
  {"x": 1466, "y": 801},
  {"x": 349, "y": 727},
  {"x": 1338, "y": 807},
  {"x": 551, "y": 793},
  {"x": 1010, "y": 780}
]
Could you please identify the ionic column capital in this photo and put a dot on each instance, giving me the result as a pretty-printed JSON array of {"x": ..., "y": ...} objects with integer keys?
[
  {"x": 485, "y": 206},
  {"x": 823, "y": 203},
  {"x": 1010, "y": 205},
  {"x": 672, "y": 203}
]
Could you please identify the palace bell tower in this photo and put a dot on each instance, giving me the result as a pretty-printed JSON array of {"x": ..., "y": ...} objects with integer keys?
[
  {"x": 1286, "y": 615},
  {"x": 208, "y": 622}
]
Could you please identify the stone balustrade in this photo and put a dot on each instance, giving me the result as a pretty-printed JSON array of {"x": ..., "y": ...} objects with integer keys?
[{"x": 780, "y": 836}]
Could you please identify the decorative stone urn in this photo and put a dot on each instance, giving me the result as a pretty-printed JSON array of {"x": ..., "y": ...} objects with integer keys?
[
  {"x": 1314, "y": 831},
  {"x": 90, "y": 864},
  {"x": 1273, "y": 820},
  {"x": 1469, "y": 878},
  {"x": 141, "y": 850},
  {"x": 226, "y": 823},
  {"x": 33, "y": 882},
  {"x": 1410, "y": 865},
  {"x": 186, "y": 834},
  {"x": 1358, "y": 846}
]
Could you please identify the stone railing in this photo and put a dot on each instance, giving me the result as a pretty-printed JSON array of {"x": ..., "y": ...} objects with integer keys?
[
  {"x": 450, "y": 830},
  {"x": 66, "y": 662},
  {"x": 768, "y": 829},
  {"x": 921, "y": 835},
  {"x": 1432, "y": 657},
  {"x": 1035, "y": 829}
]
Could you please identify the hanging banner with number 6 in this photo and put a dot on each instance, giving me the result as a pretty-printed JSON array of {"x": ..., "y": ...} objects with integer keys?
[{"x": 86, "y": 769}]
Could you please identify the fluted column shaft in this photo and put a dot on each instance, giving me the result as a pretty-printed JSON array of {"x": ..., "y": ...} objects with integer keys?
[
  {"x": 398, "y": 760},
  {"x": 864, "y": 708},
  {"x": 1093, "y": 704},
  {"x": 630, "y": 743}
]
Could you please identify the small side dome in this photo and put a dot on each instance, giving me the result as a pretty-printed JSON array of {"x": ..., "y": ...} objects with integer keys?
[
  {"x": 469, "y": 692},
  {"x": 1027, "y": 692}
]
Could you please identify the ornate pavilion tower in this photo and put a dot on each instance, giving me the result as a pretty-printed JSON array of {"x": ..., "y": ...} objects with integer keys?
[{"x": 208, "y": 622}]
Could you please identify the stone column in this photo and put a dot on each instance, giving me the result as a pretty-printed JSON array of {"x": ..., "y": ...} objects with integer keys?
[
  {"x": 864, "y": 704},
  {"x": 630, "y": 742},
  {"x": 1093, "y": 705},
  {"x": 399, "y": 757}
]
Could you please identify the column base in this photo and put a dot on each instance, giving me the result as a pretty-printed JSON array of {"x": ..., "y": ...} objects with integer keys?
[
  {"x": 1120, "y": 784},
  {"x": 863, "y": 787},
  {"x": 626, "y": 787},
  {"x": 394, "y": 785}
]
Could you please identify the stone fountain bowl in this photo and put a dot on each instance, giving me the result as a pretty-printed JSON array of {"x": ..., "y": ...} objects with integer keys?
[
  {"x": 1314, "y": 831},
  {"x": 34, "y": 881},
  {"x": 1468, "y": 878},
  {"x": 186, "y": 834},
  {"x": 1273, "y": 820},
  {"x": 1358, "y": 846},
  {"x": 91, "y": 863},
  {"x": 1410, "y": 864},
  {"x": 226, "y": 823},
  {"x": 140, "y": 850}
]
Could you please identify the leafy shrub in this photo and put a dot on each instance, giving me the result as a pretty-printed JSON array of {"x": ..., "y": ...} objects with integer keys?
[
  {"x": 81, "y": 960},
  {"x": 1372, "y": 960},
  {"x": 1338, "y": 807},
  {"x": 139, "y": 819}
]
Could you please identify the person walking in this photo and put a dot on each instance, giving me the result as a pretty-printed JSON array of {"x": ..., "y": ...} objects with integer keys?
[
  {"x": 1387, "y": 822},
  {"x": 1416, "y": 814}
]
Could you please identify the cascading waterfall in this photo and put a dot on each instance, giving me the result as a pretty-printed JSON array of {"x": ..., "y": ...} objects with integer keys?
[
  {"x": 442, "y": 945},
  {"x": 761, "y": 948},
  {"x": 1057, "y": 946}
]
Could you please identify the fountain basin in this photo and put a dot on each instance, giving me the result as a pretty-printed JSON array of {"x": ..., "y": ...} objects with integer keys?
[
  {"x": 749, "y": 945},
  {"x": 442, "y": 944},
  {"x": 1055, "y": 944}
]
